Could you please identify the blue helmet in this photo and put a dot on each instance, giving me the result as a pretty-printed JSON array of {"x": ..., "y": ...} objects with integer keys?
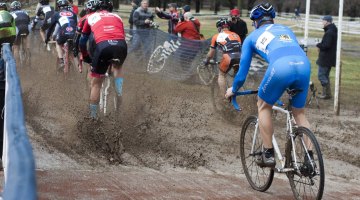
[{"x": 262, "y": 10}]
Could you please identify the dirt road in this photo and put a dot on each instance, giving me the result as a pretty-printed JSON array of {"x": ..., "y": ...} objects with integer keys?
[{"x": 168, "y": 144}]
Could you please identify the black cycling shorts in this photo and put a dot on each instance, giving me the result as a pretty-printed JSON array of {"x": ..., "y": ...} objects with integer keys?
[
  {"x": 62, "y": 38},
  {"x": 104, "y": 52},
  {"x": 22, "y": 30}
]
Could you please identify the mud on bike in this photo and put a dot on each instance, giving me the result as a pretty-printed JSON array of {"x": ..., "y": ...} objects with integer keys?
[
  {"x": 24, "y": 52},
  {"x": 110, "y": 101},
  {"x": 70, "y": 62},
  {"x": 302, "y": 160}
]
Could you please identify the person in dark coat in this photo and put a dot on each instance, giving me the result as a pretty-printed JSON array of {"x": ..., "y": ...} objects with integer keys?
[
  {"x": 238, "y": 25},
  {"x": 327, "y": 55},
  {"x": 172, "y": 16},
  {"x": 135, "y": 5}
]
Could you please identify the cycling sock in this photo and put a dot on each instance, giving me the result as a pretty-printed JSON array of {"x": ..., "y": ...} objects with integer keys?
[
  {"x": 93, "y": 110},
  {"x": 118, "y": 85},
  {"x": 269, "y": 152}
]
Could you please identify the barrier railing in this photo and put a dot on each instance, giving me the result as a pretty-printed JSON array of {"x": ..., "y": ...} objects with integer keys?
[{"x": 18, "y": 159}]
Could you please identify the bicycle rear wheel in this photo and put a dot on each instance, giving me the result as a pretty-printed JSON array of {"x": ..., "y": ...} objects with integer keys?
[
  {"x": 260, "y": 178},
  {"x": 308, "y": 179}
]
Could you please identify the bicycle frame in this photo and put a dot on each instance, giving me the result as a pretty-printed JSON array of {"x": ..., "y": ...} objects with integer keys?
[{"x": 290, "y": 122}]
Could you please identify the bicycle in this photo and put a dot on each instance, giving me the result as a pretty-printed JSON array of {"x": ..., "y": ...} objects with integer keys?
[
  {"x": 24, "y": 53},
  {"x": 161, "y": 53},
  {"x": 108, "y": 92},
  {"x": 70, "y": 62},
  {"x": 304, "y": 170}
]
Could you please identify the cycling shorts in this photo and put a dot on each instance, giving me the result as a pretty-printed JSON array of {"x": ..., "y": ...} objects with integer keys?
[
  {"x": 45, "y": 26},
  {"x": 291, "y": 72},
  {"x": 104, "y": 52},
  {"x": 229, "y": 60},
  {"x": 62, "y": 38},
  {"x": 21, "y": 30}
]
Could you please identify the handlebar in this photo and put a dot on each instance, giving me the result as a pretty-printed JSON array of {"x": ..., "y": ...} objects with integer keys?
[{"x": 241, "y": 93}]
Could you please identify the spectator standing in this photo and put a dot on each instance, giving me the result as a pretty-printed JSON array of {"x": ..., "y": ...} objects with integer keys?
[
  {"x": 135, "y": 5},
  {"x": 190, "y": 32},
  {"x": 327, "y": 55},
  {"x": 172, "y": 16},
  {"x": 237, "y": 25},
  {"x": 143, "y": 21}
]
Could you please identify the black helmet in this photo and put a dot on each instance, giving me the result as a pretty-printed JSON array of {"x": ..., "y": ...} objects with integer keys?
[
  {"x": 3, "y": 6},
  {"x": 44, "y": 2},
  {"x": 222, "y": 23},
  {"x": 15, "y": 5},
  {"x": 62, "y": 3},
  {"x": 105, "y": 5},
  {"x": 91, "y": 5},
  {"x": 261, "y": 10}
]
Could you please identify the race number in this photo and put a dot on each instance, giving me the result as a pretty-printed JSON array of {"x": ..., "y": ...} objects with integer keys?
[
  {"x": 264, "y": 40},
  {"x": 46, "y": 9},
  {"x": 63, "y": 20}
]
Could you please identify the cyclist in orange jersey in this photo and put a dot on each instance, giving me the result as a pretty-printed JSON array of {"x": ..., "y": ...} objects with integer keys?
[{"x": 230, "y": 44}]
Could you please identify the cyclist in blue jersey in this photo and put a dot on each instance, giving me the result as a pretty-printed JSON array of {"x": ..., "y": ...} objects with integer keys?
[{"x": 288, "y": 68}]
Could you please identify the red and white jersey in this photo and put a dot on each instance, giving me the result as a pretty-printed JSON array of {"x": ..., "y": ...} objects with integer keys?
[
  {"x": 105, "y": 26},
  {"x": 81, "y": 22}
]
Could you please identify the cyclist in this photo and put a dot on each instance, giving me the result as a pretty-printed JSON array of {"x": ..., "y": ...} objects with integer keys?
[
  {"x": 66, "y": 21},
  {"x": 8, "y": 34},
  {"x": 230, "y": 44},
  {"x": 43, "y": 12},
  {"x": 288, "y": 68},
  {"x": 22, "y": 22},
  {"x": 109, "y": 35},
  {"x": 90, "y": 8},
  {"x": 74, "y": 7}
]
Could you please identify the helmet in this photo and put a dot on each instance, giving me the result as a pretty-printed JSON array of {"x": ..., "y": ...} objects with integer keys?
[
  {"x": 62, "y": 3},
  {"x": 261, "y": 10},
  {"x": 105, "y": 5},
  {"x": 91, "y": 5},
  {"x": 235, "y": 12},
  {"x": 3, "y": 6},
  {"x": 222, "y": 23},
  {"x": 15, "y": 5},
  {"x": 44, "y": 2}
]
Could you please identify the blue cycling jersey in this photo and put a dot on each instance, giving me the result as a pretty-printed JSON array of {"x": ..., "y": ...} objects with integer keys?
[{"x": 288, "y": 64}]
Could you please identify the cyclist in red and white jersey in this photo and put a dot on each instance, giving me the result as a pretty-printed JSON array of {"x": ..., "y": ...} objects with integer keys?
[{"x": 109, "y": 35}]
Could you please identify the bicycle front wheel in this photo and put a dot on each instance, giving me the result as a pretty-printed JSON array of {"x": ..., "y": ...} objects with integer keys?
[
  {"x": 308, "y": 178},
  {"x": 206, "y": 73},
  {"x": 260, "y": 178}
]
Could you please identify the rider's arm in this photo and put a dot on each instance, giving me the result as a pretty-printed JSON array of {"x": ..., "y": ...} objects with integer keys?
[
  {"x": 51, "y": 27},
  {"x": 326, "y": 42},
  {"x": 84, "y": 37},
  {"x": 246, "y": 56},
  {"x": 163, "y": 15}
]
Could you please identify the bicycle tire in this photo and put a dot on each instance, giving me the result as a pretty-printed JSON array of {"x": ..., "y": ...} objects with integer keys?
[
  {"x": 302, "y": 178},
  {"x": 206, "y": 73},
  {"x": 260, "y": 178},
  {"x": 109, "y": 100},
  {"x": 156, "y": 61}
]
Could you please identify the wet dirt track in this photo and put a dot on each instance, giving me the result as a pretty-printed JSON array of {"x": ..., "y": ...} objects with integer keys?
[{"x": 168, "y": 144}]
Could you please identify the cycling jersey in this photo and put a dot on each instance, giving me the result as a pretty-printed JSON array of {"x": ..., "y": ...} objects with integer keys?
[
  {"x": 66, "y": 20},
  {"x": 288, "y": 65},
  {"x": 45, "y": 12},
  {"x": 230, "y": 43},
  {"x": 22, "y": 21},
  {"x": 105, "y": 26},
  {"x": 7, "y": 26}
]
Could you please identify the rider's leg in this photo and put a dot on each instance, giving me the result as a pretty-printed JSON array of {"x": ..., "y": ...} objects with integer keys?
[
  {"x": 96, "y": 83},
  {"x": 42, "y": 34},
  {"x": 301, "y": 120},
  {"x": 119, "y": 79},
  {"x": 59, "y": 51},
  {"x": 265, "y": 123},
  {"x": 222, "y": 83}
]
